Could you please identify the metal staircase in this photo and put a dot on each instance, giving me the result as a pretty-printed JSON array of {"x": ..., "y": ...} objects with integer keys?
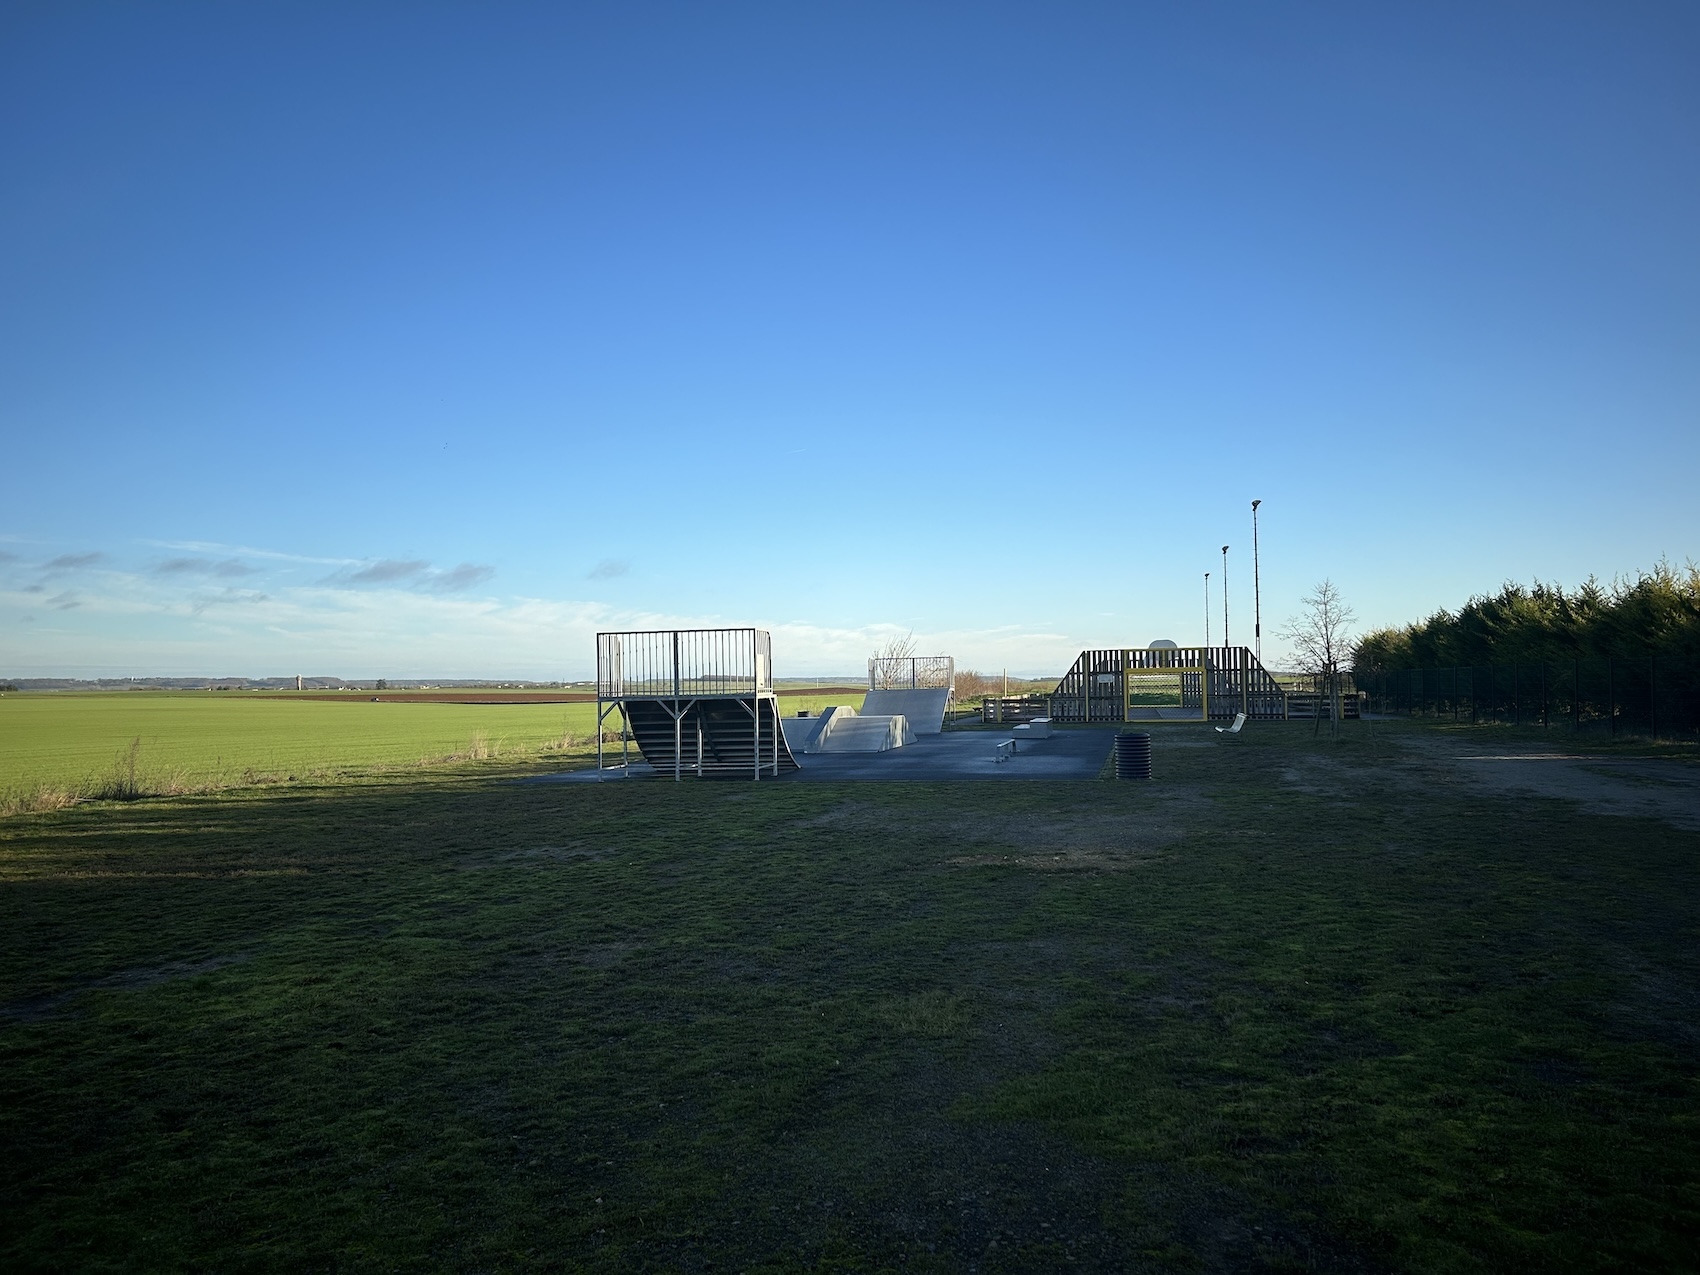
[
  {"x": 695, "y": 701},
  {"x": 727, "y": 738}
]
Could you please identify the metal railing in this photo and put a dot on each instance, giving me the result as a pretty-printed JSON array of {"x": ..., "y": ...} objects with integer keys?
[
  {"x": 912, "y": 672},
  {"x": 675, "y": 663}
]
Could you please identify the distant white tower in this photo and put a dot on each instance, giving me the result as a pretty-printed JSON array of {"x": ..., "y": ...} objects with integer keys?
[{"x": 298, "y": 681}]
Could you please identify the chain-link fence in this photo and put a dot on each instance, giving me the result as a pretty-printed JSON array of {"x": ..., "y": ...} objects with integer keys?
[{"x": 1650, "y": 695}]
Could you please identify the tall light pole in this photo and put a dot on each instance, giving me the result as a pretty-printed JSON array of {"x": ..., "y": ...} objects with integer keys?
[
  {"x": 1224, "y": 595},
  {"x": 1256, "y": 586},
  {"x": 1206, "y": 610}
]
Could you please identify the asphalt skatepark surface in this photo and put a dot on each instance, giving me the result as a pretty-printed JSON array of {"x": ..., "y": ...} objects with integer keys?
[{"x": 967, "y": 754}]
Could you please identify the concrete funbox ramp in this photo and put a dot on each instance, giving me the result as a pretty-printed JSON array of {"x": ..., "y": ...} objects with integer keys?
[
  {"x": 842, "y": 729},
  {"x": 923, "y": 708}
]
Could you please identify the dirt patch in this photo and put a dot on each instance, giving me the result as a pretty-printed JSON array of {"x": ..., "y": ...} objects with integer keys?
[
  {"x": 605, "y": 956},
  {"x": 1059, "y": 861},
  {"x": 1637, "y": 787},
  {"x": 536, "y": 855},
  {"x": 36, "y": 1008},
  {"x": 1319, "y": 777},
  {"x": 558, "y": 854},
  {"x": 1030, "y": 835}
]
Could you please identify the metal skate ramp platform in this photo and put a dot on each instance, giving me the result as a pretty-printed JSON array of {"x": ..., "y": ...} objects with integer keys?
[
  {"x": 969, "y": 755},
  {"x": 965, "y": 755}
]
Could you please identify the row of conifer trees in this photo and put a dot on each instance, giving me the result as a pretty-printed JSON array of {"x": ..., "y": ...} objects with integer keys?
[{"x": 1656, "y": 612}]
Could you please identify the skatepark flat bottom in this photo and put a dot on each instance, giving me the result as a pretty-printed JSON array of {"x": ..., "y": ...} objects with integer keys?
[{"x": 969, "y": 754}]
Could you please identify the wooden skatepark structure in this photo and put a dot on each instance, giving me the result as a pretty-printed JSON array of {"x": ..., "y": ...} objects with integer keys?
[{"x": 1208, "y": 683}]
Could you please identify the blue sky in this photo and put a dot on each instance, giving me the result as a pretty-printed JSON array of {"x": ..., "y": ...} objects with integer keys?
[{"x": 419, "y": 340}]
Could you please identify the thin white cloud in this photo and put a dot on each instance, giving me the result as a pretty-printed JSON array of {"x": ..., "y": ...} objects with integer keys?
[
  {"x": 410, "y": 573},
  {"x": 609, "y": 569},
  {"x": 227, "y": 597},
  {"x": 228, "y": 569},
  {"x": 389, "y": 571},
  {"x": 407, "y": 618},
  {"x": 73, "y": 561},
  {"x": 465, "y": 576},
  {"x": 245, "y": 551}
]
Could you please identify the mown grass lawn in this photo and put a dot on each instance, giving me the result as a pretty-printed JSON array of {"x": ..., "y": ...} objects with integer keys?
[{"x": 1299, "y": 1004}]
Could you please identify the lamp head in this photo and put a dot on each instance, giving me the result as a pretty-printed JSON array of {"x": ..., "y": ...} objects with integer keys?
[
  {"x": 1224, "y": 548},
  {"x": 1256, "y": 503}
]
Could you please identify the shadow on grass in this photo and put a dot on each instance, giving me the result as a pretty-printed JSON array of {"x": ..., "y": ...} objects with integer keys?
[{"x": 1291, "y": 1005}]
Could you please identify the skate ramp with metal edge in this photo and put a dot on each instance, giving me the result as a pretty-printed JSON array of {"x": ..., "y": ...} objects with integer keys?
[
  {"x": 729, "y": 732},
  {"x": 848, "y": 731},
  {"x": 924, "y": 707},
  {"x": 969, "y": 755},
  {"x": 800, "y": 732}
]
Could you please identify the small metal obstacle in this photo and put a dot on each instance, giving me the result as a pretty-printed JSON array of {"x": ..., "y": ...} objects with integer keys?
[{"x": 1133, "y": 755}]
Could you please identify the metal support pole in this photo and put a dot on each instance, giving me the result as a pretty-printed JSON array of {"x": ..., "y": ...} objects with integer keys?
[
  {"x": 1224, "y": 595},
  {"x": 1611, "y": 693},
  {"x": 1546, "y": 715},
  {"x": 1256, "y": 587},
  {"x": 1576, "y": 695}
]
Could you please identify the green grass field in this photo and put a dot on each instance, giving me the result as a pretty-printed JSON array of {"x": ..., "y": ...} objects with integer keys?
[
  {"x": 1299, "y": 1004},
  {"x": 62, "y": 745}
]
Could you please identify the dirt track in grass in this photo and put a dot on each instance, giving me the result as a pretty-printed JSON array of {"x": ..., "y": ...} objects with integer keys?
[{"x": 1634, "y": 787}]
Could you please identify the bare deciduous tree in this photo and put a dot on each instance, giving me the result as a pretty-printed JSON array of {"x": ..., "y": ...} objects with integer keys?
[
  {"x": 882, "y": 667},
  {"x": 897, "y": 648},
  {"x": 1321, "y": 636}
]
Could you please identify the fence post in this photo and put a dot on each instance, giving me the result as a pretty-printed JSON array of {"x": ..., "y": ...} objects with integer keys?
[
  {"x": 1516, "y": 695},
  {"x": 1546, "y": 716},
  {"x": 1611, "y": 694},
  {"x": 1455, "y": 693},
  {"x": 1652, "y": 698},
  {"x": 1472, "y": 694},
  {"x": 1576, "y": 696}
]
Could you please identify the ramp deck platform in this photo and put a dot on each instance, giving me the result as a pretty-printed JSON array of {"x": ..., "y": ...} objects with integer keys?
[{"x": 694, "y": 701}]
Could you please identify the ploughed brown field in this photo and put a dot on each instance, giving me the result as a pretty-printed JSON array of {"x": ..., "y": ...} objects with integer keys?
[{"x": 506, "y": 697}]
